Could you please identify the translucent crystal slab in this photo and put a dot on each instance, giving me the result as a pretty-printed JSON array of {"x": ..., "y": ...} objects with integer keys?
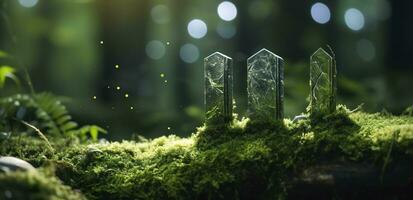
[
  {"x": 323, "y": 76},
  {"x": 218, "y": 88},
  {"x": 265, "y": 85}
]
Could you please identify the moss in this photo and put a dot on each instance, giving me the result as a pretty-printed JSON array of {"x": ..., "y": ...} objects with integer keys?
[
  {"x": 34, "y": 185},
  {"x": 246, "y": 159},
  {"x": 33, "y": 149}
]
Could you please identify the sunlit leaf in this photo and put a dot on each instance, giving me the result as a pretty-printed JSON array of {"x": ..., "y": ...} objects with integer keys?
[
  {"x": 93, "y": 131},
  {"x": 7, "y": 72}
]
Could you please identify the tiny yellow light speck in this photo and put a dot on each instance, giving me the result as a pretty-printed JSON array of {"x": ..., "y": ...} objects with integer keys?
[
  {"x": 117, "y": 87},
  {"x": 126, "y": 95},
  {"x": 101, "y": 42},
  {"x": 162, "y": 75},
  {"x": 166, "y": 81},
  {"x": 131, "y": 107},
  {"x": 169, "y": 128},
  {"x": 94, "y": 97},
  {"x": 168, "y": 43},
  {"x": 117, "y": 66}
]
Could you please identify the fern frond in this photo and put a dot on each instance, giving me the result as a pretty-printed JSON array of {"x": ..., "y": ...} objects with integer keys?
[
  {"x": 54, "y": 114},
  {"x": 44, "y": 110}
]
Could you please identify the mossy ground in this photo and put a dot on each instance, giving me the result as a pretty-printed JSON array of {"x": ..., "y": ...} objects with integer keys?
[
  {"x": 244, "y": 160},
  {"x": 35, "y": 185}
]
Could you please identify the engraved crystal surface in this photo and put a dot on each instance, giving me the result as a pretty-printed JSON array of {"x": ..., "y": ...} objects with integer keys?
[
  {"x": 265, "y": 85},
  {"x": 218, "y": 88},
  {"x": 322, "y": 82}
]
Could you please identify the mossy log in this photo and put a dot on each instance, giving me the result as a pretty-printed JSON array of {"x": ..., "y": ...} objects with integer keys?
[{"x": 342, "y": 156}]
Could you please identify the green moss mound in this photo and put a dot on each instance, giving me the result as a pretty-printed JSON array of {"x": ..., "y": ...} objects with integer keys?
[
  {"x": 244, "y": 160},
  {"x": 34, "y": 186}
]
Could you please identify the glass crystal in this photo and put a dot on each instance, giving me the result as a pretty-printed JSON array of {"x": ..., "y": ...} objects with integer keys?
[
  {"x": 218, "y": 88},
  {"x": 265, "y": 85},
  {"x": 322, "y": 82}
]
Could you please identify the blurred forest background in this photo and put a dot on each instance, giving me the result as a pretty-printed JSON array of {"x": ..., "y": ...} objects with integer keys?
[{"x": 136, "y": 66}]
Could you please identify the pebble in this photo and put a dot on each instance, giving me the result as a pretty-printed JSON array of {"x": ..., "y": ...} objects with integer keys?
[
  {"x": 93, "y": 152},
  {"x": 299, "y": 117},
  {"x": 8, "y": 163}
]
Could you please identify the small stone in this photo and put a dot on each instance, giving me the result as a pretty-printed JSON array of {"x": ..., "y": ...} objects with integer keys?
[
  {"x": 299, "y": 117},
  {"x": 8, "y": 164},
  {"x": 93, "y": 150},
  {"x": 103, "y": 141}
]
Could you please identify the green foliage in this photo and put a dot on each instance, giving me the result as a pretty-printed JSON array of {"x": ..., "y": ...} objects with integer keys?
[
  {"x": 55, "y": 117},
  {"x": 7, "y": 72},
  {"x": 92, "y": 130},
  {"x": 44, "y": 111},
  {"x": 37, "y": 112}
]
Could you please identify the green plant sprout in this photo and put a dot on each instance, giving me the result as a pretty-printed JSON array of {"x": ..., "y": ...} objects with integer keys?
[{"x": 8, "y": 72}]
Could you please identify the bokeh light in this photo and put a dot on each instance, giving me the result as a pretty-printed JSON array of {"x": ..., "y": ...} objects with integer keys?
[
  {"x": 320, "y": 13},
  {"x": 226, "y": 30},
  {"x": 354, "y": 19},
  {"x": 28, "y": 3},
  {"x": 189, "y": 53},
  {"x": 227, "y": 11},
  {"x": 365, "y": 49},
  {"x": 160, "y": 14},
  {"x": 155, "y": 49},
  {"x": 197, "y": 28}
]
